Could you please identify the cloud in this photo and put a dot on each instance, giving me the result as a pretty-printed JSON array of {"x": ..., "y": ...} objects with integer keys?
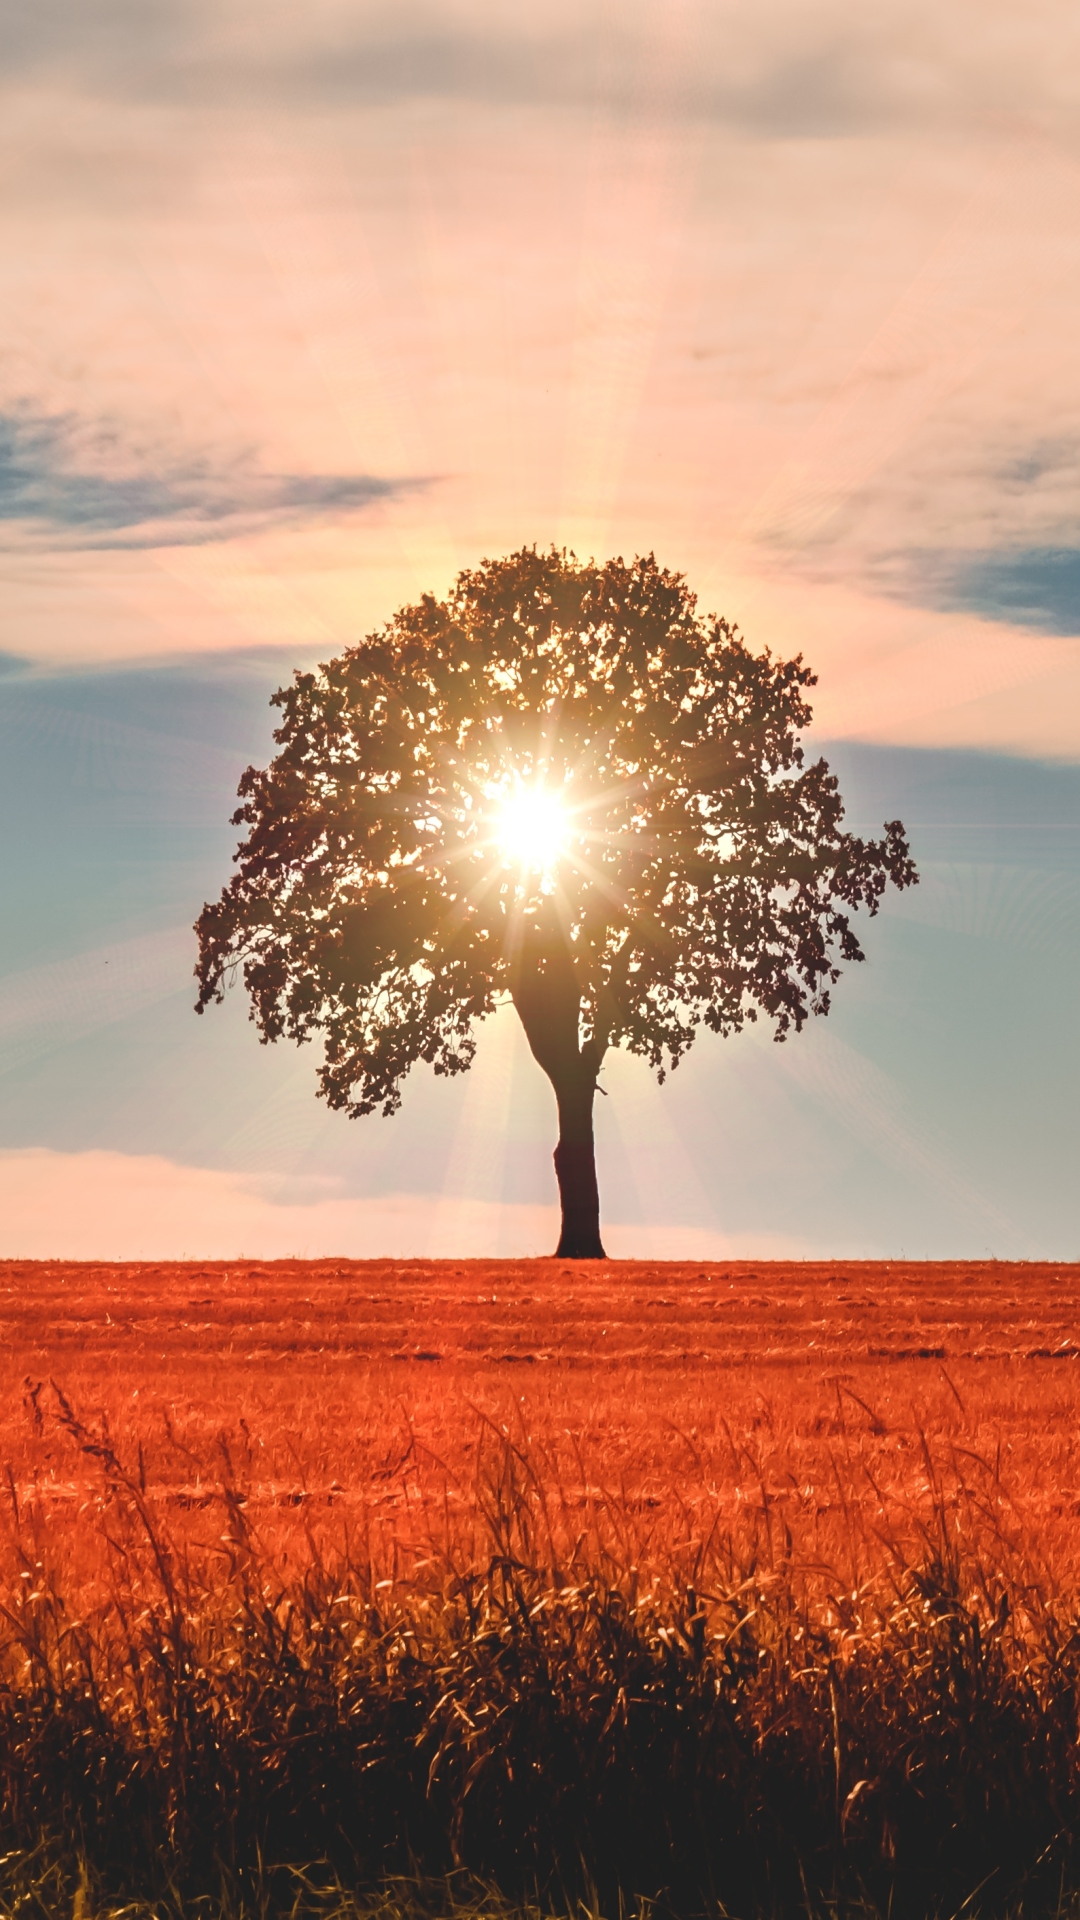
[
  {"x": 779, "y": 69},
  {"x": 113, "y": 37},
  {"x": 814, "y": 90},
  {"x": 968, "y": 517},
  {"x": 114, "y": 1206},
  {"x": 820, "y": 89},
  {"x": 70, "y": 484}
]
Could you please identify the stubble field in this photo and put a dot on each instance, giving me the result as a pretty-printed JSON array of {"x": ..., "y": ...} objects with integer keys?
[
  {"x": 812, "y": 1393},
  {"x": 736, "y": 1584}
]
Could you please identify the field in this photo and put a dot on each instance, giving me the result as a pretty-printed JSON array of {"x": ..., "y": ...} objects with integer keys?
[{"x": 743, "y": 1587}]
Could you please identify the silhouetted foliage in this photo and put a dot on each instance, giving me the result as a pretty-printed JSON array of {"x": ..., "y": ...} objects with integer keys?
[{"x": 704, "y": 878}]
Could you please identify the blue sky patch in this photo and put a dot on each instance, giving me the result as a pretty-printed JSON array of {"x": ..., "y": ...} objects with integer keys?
[{"x": 1036, "y": 587}]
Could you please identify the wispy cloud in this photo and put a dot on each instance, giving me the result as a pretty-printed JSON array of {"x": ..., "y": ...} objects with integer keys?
[
  {"x": 990, "y": 529},
  {"x": 779, "y": 68},
  {"x": 76, "y": 486},
  {"x": 116, "y": 37},
  {"x": 815, "y": 89}
]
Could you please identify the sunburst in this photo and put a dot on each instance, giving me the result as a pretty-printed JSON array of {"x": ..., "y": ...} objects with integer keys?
[{"x": 531, "y": 828}]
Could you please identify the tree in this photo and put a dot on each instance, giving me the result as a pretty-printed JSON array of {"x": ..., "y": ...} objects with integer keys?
[{"x": 561, "y": 785}]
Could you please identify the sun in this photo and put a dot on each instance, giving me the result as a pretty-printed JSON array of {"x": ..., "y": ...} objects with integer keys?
[{"x": 531, "y": 828}]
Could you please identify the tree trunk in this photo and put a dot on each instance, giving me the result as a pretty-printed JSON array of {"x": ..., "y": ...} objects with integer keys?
[
  {"x": 575, "y": 1170},
  {"x": 548, "y": 999}
]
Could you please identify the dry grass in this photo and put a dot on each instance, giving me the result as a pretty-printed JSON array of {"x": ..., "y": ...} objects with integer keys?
[{"x": 726, "y": 1598}]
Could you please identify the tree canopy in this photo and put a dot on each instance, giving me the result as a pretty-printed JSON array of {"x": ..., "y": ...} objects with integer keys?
[{"x": 697, "y": 874}]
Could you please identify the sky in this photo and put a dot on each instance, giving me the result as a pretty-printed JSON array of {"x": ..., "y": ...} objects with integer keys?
[{"x": 305, "y": 309}]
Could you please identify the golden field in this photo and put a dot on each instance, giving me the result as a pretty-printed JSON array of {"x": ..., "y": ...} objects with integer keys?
[
  {"x": 738, "y": 1587},
  {"x": 680, "y": 1396}
]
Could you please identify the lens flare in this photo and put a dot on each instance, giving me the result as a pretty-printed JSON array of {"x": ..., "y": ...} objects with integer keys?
[{"x": 531, "y": 828}]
